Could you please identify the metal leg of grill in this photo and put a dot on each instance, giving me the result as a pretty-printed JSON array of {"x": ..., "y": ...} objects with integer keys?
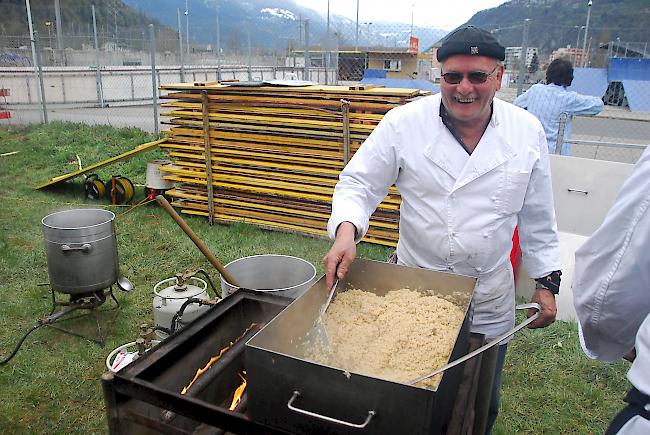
[{"x": 92, "y": 307}]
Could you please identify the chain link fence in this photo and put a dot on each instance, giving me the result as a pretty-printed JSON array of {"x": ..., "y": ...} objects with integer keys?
[{"x": 106, "y": 73}]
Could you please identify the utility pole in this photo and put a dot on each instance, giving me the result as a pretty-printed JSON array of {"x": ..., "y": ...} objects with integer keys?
[
  {"x": 307, "y": 59},
  {"x": 585, "y": 56},
  {"x": 356, "y": 40},
  {"x": 327, "y": 48},
  {"x": 522, "y": 58},
  {"x": 187, "y": 28}
]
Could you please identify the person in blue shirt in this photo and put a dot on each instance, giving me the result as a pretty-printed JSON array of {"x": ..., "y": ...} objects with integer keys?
[{"x": 548, "y": 102}]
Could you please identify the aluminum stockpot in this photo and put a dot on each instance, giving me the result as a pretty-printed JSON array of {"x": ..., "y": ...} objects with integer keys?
[
  {"x": 291, "y": 393},
  {"x": 280, "y": 275},
  {"x": 81, "y": 250}
]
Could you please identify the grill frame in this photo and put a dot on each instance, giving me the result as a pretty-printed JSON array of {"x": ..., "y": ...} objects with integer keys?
[{"x": 137, "y": 395}]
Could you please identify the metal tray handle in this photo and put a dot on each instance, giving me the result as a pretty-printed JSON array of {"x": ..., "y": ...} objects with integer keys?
[
  {"x": 485, "y": 346},
  {"x": 295, "y": 396}
]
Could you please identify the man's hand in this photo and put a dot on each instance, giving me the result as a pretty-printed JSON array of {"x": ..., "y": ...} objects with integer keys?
[
  {"x": 341, "y": 254},
  {"x": 546, "y": 299}
]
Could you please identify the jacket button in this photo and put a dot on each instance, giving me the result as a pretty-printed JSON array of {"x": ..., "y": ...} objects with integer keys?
[
  {"x": 494, "y": 198},
  {"x": 486, "y": 235},
  {"x": 479, "y": 269}
]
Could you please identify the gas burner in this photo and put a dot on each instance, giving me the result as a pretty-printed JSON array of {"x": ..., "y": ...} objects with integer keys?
[{"x": 62, "y": 311}]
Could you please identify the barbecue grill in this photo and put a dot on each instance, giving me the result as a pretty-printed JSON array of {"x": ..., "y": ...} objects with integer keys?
[{"x": 144, "y": 397}]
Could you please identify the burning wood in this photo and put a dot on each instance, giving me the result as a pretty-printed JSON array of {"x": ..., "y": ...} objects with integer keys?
[
  {"x": 215, "y": 358},
  {"x": 236, "y": 398}
]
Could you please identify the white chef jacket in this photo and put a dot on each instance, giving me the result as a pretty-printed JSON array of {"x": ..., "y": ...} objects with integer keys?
[
  {"x": 459, "y": 211},
  {"x": 611, "y": 284}
]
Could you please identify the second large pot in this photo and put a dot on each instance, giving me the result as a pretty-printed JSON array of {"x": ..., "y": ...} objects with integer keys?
[{"x": 81, "y": 250}]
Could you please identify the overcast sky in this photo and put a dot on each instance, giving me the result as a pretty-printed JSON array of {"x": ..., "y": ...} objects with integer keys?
[{"x": 445, "y": 15}]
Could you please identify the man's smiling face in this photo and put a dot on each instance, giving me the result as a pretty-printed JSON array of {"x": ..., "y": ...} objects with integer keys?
[{"x": 469, "y": 102}]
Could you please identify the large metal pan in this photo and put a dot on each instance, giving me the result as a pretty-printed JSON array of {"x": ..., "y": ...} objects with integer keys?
[{"x": 288, "y": 392}]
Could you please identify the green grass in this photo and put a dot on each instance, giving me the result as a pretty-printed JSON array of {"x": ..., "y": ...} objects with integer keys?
[{"x": 52, "y": 385}]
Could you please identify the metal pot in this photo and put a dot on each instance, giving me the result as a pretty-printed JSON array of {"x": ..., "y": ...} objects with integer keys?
[
  {"x": 81, "y": 250},
  {"x": 280, "y": 275}
]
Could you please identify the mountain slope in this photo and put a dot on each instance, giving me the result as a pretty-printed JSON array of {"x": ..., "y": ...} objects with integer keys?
[
  {"x": 555, "y": 23},
  {"x": 276, "y": 24},
  {"x": 76, "y": 17}
]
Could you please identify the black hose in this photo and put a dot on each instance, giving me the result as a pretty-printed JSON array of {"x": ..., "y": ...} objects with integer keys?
[
  {"x": 163, "y": 329},
  {"x": 20, "y": 343},
  {"x": 179, "y": 313},
  {"x": 216, "y": 292}
]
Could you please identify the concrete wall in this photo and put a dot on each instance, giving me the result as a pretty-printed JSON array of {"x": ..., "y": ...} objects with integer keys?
[{"x": 65, "y": 85}]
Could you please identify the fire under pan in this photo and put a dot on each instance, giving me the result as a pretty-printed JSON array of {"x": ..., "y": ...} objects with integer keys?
[
  {"x": 144, "y": 397},
  {"x": 290, "y": 393}
]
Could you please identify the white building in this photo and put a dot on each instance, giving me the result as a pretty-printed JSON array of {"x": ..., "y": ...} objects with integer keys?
[{"x": 513, "y": 55}]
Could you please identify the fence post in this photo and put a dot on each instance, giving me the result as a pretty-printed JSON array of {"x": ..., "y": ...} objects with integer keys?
[
  {"x": 154, "y": 87},
  {"x": 218, "y": 50},
  {"x": 180, "y": 44},
  {"x": 306, "y": 57},
  {"x": 98, "y": 73},
  {"x": 522, "y": 58},
  {"x": 32, "y": 36},
  {"x": 39, "y": 67},
  {"x": 250, "y": 70},
  {"x": 559, "y": 142}
]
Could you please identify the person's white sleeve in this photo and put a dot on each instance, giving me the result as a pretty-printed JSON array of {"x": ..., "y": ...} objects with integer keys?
[
  {"x": 611, "y": 284},
  {"x": 540, "y": 248},
  {"x": 365, "y": 180}
]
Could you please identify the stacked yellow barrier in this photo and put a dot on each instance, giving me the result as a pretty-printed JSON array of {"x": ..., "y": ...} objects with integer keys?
[{"x": 273, "y": 152}]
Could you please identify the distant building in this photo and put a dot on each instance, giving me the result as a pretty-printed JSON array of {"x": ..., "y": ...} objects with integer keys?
[
  {"x": 575, "y": 55},
  {"x": 398, "y": 63},
  {"x": 428, "y": 65},
  {"x": 513, "y": 55}
]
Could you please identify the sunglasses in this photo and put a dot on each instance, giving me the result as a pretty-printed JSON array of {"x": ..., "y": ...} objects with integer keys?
[{"x": 474, "y": 77}]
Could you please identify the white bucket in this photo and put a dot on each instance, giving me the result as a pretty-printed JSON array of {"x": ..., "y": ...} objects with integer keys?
[{"x": 155, "y": 178}]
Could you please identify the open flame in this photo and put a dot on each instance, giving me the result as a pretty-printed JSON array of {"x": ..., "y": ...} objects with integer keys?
[
  {"x": 214, "y": 359},
  {"x": 236, "y": 398}
]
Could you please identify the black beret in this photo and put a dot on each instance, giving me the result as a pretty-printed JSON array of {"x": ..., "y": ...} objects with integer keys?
[{"x": 471, "y": 40}]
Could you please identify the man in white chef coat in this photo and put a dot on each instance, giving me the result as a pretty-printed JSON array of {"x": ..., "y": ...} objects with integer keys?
[
  {"x": 611, "y": 292},
  {"x": 469, "y": 168}
]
